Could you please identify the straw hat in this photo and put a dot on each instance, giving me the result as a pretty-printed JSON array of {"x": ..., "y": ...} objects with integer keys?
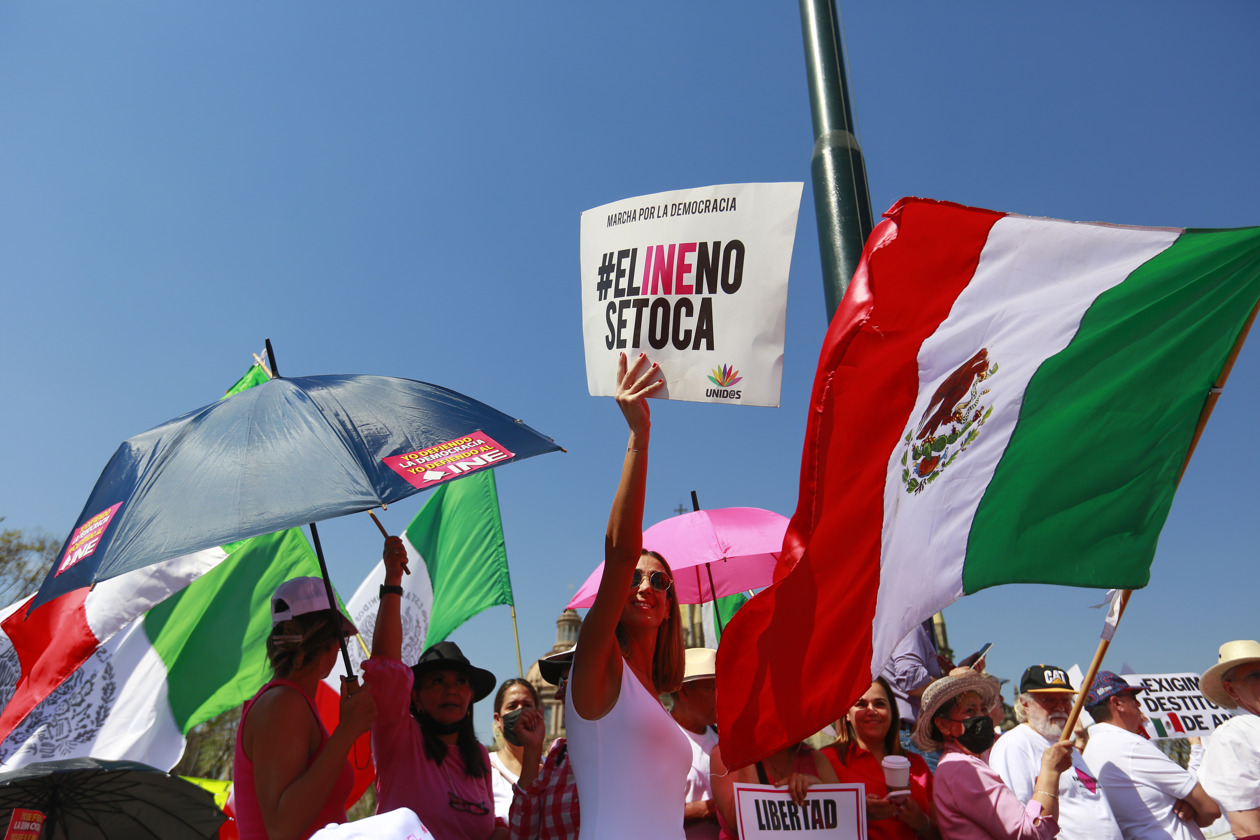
[
  {"x": 959, "y": 681},
  {"x": 699, "y": 664},
  {"x": 1232, "y": 655}
]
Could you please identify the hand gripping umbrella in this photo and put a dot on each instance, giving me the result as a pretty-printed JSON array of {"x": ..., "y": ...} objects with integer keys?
[
  {"x": 713, "y": 553},
  {"x": 91, "y": 799},
  {"x": 280, "y": 455}
]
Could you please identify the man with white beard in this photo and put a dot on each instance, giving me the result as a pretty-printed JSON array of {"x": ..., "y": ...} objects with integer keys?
[{"x": 1042, "y": 708}]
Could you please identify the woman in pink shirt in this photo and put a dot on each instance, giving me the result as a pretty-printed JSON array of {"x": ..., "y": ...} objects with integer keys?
[
  {"x": 969, "y": 798},
  {"x": 426, "y": 751}
]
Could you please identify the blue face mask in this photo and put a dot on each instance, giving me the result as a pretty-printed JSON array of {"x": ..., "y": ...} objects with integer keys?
[{"x": 978, "y": 734}]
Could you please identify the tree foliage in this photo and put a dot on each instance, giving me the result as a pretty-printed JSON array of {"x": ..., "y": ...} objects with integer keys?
[{"x": 25, "y": 558}]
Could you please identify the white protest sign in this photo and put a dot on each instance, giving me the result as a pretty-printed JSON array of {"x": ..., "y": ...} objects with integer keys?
[
  {"x": 832, "y": 811},
  {"x": 1175, "y": 705},
  {"x": 697, "y": 280}
]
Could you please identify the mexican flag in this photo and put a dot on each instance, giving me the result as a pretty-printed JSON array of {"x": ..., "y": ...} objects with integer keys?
[
  {"x": 458, "y": 559},
  {"x": 186, "y": 660},
  {"x": 40, "y": 657},
  {"x": 999, "y": 399}
]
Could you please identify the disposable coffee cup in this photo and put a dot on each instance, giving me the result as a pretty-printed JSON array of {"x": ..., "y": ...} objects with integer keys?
[{"x": 896, "y": 772}]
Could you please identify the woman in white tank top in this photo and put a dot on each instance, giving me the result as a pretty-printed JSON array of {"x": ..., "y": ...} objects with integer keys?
[{"x": 629, "y": 757}]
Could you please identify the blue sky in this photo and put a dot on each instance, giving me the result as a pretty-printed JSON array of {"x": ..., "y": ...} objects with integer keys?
[{"x": 395, "y": 188}]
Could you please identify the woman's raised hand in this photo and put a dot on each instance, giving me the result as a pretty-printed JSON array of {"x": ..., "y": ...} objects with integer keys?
[
  {"x": 395, "y": 558},
  {"x": 634, "y": 384}
]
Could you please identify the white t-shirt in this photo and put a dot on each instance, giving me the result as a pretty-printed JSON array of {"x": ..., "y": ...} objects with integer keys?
[
  {"x": 698, "y": 785},
  {"x": 1141, "y": 782},
  {"x": 1230, "y": 772},
  {"x": 1084, "y": 814},
  {"x": 503, "y": 779}
]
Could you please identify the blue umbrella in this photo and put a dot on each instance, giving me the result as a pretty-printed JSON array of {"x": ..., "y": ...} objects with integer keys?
[{"x": 280, "y": 455}]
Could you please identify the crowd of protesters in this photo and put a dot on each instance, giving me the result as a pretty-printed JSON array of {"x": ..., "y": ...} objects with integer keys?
[{"x": 643, "y": 757}]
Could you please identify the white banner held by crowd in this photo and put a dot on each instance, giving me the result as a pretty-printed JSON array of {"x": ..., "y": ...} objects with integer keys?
[
  {"x": 834, "y": 811},
  {"x": 1176, "y": 707},
  {"x": 696, "y": 279}
]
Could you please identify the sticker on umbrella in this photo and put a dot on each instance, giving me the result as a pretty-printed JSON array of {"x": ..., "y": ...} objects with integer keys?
[
  {"x": 26, "y": 824},
  {"x": 452, "y": 459},
  {"x": 86, "y": 538}
]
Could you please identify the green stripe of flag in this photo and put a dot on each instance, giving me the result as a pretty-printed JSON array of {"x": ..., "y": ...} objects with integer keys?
[
  {"x": 1055, "y": 511},
  {"x": 212, "y": 636}
]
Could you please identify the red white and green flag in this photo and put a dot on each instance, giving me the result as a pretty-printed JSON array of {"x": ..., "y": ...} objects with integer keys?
[{"x": 999, "y": 399}]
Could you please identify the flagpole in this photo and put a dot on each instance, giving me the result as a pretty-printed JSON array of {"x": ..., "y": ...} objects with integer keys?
[
  {"x": 519, "y": 667},
  {"x": 1103, "y": 644},
  {"x": 1209, "y": 404},
  {"x": 842, "y": 198}
]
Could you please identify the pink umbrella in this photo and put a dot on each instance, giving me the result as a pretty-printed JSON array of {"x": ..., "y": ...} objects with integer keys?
[{"x": 713, "y": 553}]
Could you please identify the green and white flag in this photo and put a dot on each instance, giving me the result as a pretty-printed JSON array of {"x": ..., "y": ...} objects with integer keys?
[{"x": 458, "y": 561}]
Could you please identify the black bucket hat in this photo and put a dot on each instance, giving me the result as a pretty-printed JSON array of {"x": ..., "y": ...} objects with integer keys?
[{"x": 446, "y": 656}]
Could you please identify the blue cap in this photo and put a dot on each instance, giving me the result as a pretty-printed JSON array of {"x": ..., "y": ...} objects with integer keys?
[{"x": 1108, "y": 684}]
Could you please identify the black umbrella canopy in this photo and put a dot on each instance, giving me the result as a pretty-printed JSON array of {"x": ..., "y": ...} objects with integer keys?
[
  {"x": 92, "y": 799},
  {"x": 283, "y": 454}
]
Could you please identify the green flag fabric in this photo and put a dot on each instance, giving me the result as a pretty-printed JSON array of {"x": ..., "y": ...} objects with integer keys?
[{"x": 459, "y": 535}]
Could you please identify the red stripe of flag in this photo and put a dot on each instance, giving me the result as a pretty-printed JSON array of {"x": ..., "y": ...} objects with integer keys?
[{"x": 51, "y": 643}]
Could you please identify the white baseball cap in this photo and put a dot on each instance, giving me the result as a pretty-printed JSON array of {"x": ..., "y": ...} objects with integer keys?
[{"x": 303, "y": 595}]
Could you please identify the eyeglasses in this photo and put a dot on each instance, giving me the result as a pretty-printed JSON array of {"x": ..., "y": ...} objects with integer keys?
[
  {"x": 658, "y": 580},
  {"x": 458, "y": 803}
]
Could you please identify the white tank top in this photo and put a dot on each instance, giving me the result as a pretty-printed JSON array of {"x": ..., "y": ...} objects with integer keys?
[{"x": 631, "y": 767}]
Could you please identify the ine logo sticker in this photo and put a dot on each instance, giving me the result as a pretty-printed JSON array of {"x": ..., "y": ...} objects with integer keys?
[
  {"x": 427, "y": 467},
  {"x": 86, "y": 538}
]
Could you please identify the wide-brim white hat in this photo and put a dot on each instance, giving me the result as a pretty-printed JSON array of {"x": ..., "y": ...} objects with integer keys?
[
  {"x": 1232, "y": 655},
  {"x": 700, "y": 664},
  {"x": 959, "y": 681}
]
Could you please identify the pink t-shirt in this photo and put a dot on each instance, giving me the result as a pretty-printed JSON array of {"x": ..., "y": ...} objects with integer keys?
[
  {"x": 405, "y": 775},
  {"x": 972, "y": 803},
  {"x": 249, "y": 820}
]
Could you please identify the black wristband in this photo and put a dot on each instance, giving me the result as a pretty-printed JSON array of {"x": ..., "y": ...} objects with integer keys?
[{"x": 390, "y": 590}]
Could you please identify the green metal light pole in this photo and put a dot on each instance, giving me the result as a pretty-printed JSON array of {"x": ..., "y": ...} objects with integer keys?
[{"x": 842, "y": 199}]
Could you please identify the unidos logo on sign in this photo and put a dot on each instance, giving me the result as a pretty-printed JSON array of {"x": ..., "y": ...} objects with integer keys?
[{"x": 724, "y": 378}]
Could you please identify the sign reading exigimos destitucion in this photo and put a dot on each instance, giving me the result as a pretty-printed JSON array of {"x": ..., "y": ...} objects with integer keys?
[{"x": 697, "y": 280}]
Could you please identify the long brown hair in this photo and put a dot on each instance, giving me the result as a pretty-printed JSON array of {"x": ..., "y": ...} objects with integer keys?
[
  {"x": 846, "y": 738},
  {"x": 668, "y": 657}
]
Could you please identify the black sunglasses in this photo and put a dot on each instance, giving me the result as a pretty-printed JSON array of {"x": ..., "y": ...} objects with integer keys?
[
  {"x": 658, "y": 580},
  {"x": 478, "y": 809}
]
